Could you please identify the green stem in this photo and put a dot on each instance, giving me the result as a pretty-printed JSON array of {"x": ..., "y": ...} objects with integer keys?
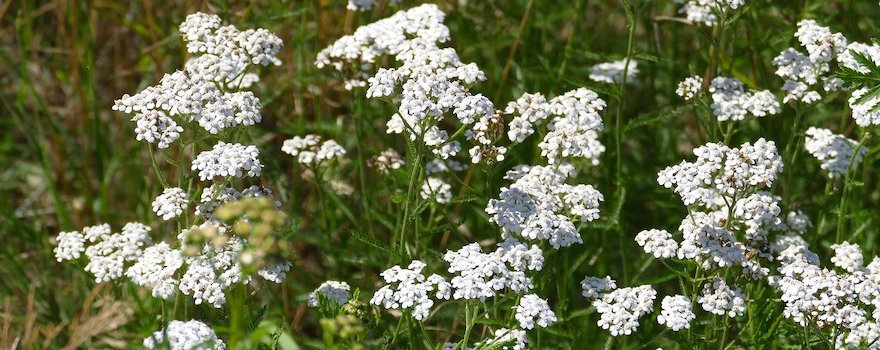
[
  {"x": 847, "y": 185},
  {"x": 414, "y": 174}
]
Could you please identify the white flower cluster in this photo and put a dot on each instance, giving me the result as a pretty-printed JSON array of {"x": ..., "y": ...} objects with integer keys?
[
  {"x": 718, "y": 298},
  {"x": 335, "y": 292},
  {"x": 823, "y": 297},
  {"x": 110, "y": 252},
  {"x": 189, "y": 335},
  {"x": 228, "y": 159},
  {"x": 517, "y": 339},
  {"x": 275, "y": 273},
  {"x": 156, "y": 269},
  {"x": 70, "y": 246},
  {"x": 433, "y": 82},
  {"x": 437, "y": 189},
  {"x": 478, "y": 275},
  {"x": 835, "y": 152},
  {"x": 206, "y": 90},
  {"x": 690, "y": 87},
  {"x": 540, "y": 205},
  {"x": 364, "y": 5},
  {"x": 171, "y": 203},
  {"x": 612, "y": 72},
  {"x": 437, "y": 166},
  {"x": 533, "y": 310},
  {"x": 847, "y": 256},
  {"x": 676, "y": 312},
  {"x": 724, "y": 188},
  {"x": 311, "y": 151},
  {"x": 657, "y": 242},
  {"x": 408, "y": 288},
  {"x": 595, "y": 287},
  {"x": 730, "y": 101},
  {"x": 388, "y": 36},
  {"x": 572, "y": 133},
  {"x": 620, "y": 309},
  {"x": 864, "y": 112},
  {"x": 386, "y": 161},
  {"x": 207, "y": 275},
  {"x": 213, "y": 197},
  {"x": 430, "y": 83},
  {"x": 721, "y": 171},
  {"x": 803, "y": 71},
  {"x": 706, "y": 12}
]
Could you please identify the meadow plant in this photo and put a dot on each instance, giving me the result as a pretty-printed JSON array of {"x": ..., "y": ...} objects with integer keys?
[{"x": 419, "y": 210}]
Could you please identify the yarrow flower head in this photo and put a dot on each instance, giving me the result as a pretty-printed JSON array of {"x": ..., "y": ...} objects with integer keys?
[
  {"x": 408, "y": 288},
  {"x": 170, "y": 203},
  {"x": 835, "y": 152},
  {"x": 723, "y": 171},
  {"x": 206, "y": 91},
  {"x": 189, "y": 335},
  {"x": 208, "y": 274},
  {"x": 706, "y": 12},
  {"x": 823, "y": 297},
  {"x": 676, "y": 312},
  {"x": 311, "y": 151},
  {"x": 437, "y": 189},
  {"x": 612, "y": 72},
  {"x": 364, "y": 5},
  {"x": 620, "y": 310},
  {"x": 657, "y": 242},
  {"x": 847, "y": 256},
  {"x": 335, "y": 292},
  {"x": 595, "y": 287},
  {"x": 516, "y": 338},
  {"x": 720, "y": 299},
  {"x": 573, "y": 130},
  {"x": 228, "y": 160},
  {"x": 730, "y": 101},
  {"x": 864, "y": 107},
  {"x": 386, "y": 161},
  {"x": 540, "y": 205},
  {"x": 108, "y": 256},
  {"x": 478, "y": 275},
  {"x": 533, "y": 310},
  {"x": 70, "y": 246},
  {"x": 690, "y": 87},
  {"x": 803, "y": 71},
  {"x": 156, "y": 269}
]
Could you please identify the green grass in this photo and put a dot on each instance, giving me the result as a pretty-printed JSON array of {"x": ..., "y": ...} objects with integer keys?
[{"x": 70, "y": 161}]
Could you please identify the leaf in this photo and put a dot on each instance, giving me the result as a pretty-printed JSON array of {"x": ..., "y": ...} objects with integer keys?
[
  {"x": 663, "y": 114},
  {"x": 373, "y": 242}
]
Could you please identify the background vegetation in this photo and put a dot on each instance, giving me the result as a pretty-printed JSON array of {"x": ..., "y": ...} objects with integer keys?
[{"x": 67, "y": 160}]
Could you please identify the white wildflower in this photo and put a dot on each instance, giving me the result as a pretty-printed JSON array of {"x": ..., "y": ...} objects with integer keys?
[
  {"x": 847, "y": 256},
  {"x": 70, "y": 246},
  {"x": 335, "y": 291},
  {"x": 657, "y": 242},
  {"x": 612, "y": 72},
  {"x": 620, "y": 310},
  {"x": 835, "y": 152},
  {"x": 171, "y": 203},
  {"x": 690, "y": 87},
  {"x": 228, "y": 160},
  {"x": 676, "y": 312},
  {"x": 156, "y": 269},
  {"x": 189, "y": 335},
  {"x": 533, "y": 310},
  {"x": 437, "y": 189},
  {"x": 718, "y": 298},
  {"x": 595, "y": 287}
]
